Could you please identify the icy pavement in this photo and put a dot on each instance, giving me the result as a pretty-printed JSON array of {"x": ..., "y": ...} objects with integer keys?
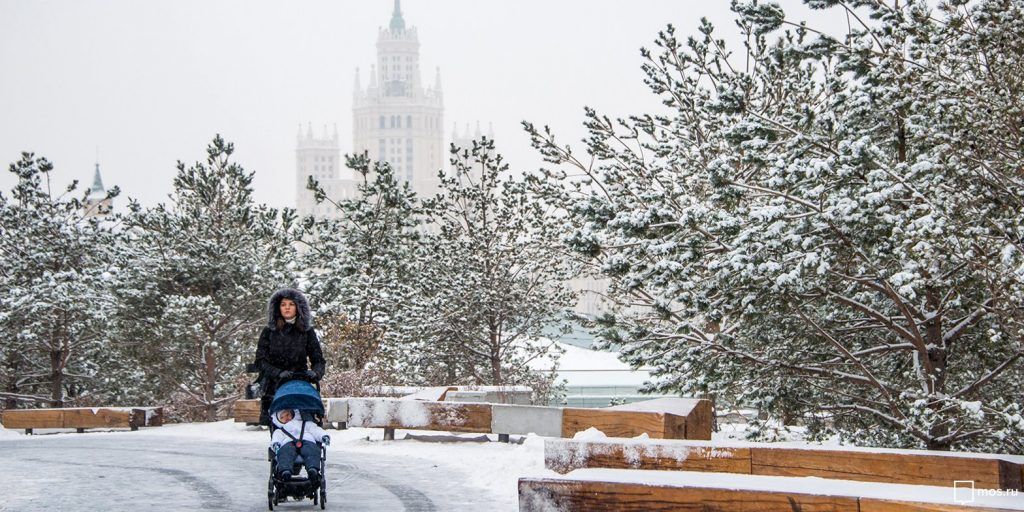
[{"x": 223, "y": 466}]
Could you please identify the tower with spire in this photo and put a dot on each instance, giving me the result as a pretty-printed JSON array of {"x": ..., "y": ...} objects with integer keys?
[
  {"x": 96, "y": 201},
  {"x": 395, "y": 117}
]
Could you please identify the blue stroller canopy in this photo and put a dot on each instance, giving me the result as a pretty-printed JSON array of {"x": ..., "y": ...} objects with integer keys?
[{"x": 297, "y": 394}]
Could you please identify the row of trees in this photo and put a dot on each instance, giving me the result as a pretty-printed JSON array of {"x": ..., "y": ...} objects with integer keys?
[
  {"x": 164, "y": 304},
  {"x": 827, "y": 228},
  {"x": 830, "y": 229}
]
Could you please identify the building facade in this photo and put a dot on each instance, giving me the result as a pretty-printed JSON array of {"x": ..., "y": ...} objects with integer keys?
[{"x": 395, "y": 119}]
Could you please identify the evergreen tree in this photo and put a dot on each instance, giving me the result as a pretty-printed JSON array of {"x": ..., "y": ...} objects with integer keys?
[
  {"x": 201, "y": 270},
  {"x": 57, "y": 301},
  {"x": 361, "y": 268},
  {"x": 822, "y": 227},
  {"x": 492, "y": 275}
]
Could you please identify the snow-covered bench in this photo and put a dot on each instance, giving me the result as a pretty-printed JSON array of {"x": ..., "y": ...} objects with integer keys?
[
  {"x": 595, "y": 490},
  {"x": 688, "y": 417},
  {"x": 917, "y": 467},
  {"x": 81, "y": 418}
]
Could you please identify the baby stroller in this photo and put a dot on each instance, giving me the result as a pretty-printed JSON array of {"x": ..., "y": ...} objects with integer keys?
[{"x": 301, "y": 395}]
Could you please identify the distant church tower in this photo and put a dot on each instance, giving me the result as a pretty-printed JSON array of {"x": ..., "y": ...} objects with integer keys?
[
  {"x": 395, "y": 118},
  {"x": 96, "y": 201}
]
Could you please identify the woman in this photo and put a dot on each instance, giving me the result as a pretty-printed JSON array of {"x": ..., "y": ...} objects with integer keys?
[{"x": 286, "y": 344}]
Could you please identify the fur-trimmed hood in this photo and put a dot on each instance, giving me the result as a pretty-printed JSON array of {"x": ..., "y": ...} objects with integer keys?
[{"x": 305, "y": 317}]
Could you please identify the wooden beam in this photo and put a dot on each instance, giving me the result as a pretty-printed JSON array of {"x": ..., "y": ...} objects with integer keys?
[
  {"x": 877, "y": 505},
  {"x": 246, "y": 411},
  {"x": 903, "y": 467},
  {"x": 920, "y": 468},
  {"x": 613, "y": 423},
  {"x": 419, "y": 415},
  {"x": 99, "y": 417},
  {"x": 539, "y": 495},
  {"x": 564, "y": 455},
  {"x": 33, "y": 418},
  {"x": 685, "y": 418}
]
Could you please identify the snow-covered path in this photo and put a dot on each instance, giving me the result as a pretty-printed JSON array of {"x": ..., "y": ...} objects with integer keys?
[{"x": 223, "y": 466}]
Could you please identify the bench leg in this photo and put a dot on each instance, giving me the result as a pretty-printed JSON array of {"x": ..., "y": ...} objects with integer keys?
[
  {"x": 502, "y": 438},
  {"x": 28, "y": 431},
  {"x": 134, "y": 428},
  {"x": 342, "y": 426},
  {"x": 389, "y": 434},
  {"x": 80, "y": 430}
]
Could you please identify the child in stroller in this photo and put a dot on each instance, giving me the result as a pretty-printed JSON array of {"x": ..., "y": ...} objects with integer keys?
[
  {"x": 297, "y": 440},
  {"x": 294, "y": 437}
]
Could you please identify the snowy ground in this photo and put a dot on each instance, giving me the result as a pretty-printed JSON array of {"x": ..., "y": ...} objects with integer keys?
[{"x": 223, "y": 466}]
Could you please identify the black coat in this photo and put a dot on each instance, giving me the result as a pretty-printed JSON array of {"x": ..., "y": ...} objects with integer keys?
[{"x": 285, "y": 346}]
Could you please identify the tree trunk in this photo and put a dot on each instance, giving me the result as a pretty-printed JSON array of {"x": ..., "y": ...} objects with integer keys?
[
  {"x": 12, "y": 381},
  {"x": 495, "y": 356},
  {"x": 57, "y": 378},
  {"x": 210, "y": 367}
]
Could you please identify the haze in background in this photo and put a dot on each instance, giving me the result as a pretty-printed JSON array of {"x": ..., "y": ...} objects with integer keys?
[{"x": 144, "y": 84}]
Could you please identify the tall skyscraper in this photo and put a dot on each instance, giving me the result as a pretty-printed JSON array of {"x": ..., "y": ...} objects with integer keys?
[{"x": 394, "y": 118}]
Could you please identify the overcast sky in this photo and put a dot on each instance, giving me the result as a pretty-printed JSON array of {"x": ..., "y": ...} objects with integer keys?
[{"x": 145, "y": 84}]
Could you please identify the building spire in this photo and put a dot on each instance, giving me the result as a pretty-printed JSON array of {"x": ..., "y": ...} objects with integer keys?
[
  {"x": 97, "y": 183},
  {"x": 397, "y": 22}
]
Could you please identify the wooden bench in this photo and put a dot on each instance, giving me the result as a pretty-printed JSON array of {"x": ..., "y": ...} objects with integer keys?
[
  {"x": 662, "y": 418},
  {"x": 640, "y": 490},
  {"x": 246, "y": 411},
  {"x": 916, "y": 467},
  {"x": 79, "y": 418},
  {"x": 504, "y": 420}
]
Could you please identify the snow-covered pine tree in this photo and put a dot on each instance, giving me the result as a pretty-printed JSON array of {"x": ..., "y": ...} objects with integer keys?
[
  {"x": 57, "y": 301},
  {"x": 493, "y": 274},
  {"x": 360, "y": 269},
  {"x": 200, "y": 270},
  {"x": 823, "y": 227}
]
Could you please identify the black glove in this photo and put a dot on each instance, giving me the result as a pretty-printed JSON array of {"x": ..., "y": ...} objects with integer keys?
[
  {"x": 285, "y": 374},
  {"x": 312, "y": 375}
]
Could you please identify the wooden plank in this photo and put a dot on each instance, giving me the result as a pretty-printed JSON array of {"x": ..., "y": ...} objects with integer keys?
[
  {"x": 679, "y": 406},
  {"x": 33, "y": 418},
  {"x": 613, "y": 423},
  {"x": 878, "y": 505},
  {"x": 699, "y": 422},
  {"x": 246, "y": 411},
  {"x": 99, "y": 417},
  {"x": 418, "y": 415},
  {"x": 902, "y": 468},
  {"x": 154, "y": 416},
  {"x": 675, "y": 426},
  {"x": 538, "y": 495},
  {"x": 696, "y": 413},
  {"x": 564, "y": 455}
]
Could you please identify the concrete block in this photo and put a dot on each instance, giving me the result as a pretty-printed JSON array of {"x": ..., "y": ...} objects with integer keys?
[
  {"x": 466, "y": 396},
  {"x": 524, "y": 419},
  {"x": 337, "y": 410}
]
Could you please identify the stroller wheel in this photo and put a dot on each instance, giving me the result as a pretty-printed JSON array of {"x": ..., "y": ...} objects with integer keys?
[
  {"x": 323, "y": 499},
  {"x": 270, "y": 500}
]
